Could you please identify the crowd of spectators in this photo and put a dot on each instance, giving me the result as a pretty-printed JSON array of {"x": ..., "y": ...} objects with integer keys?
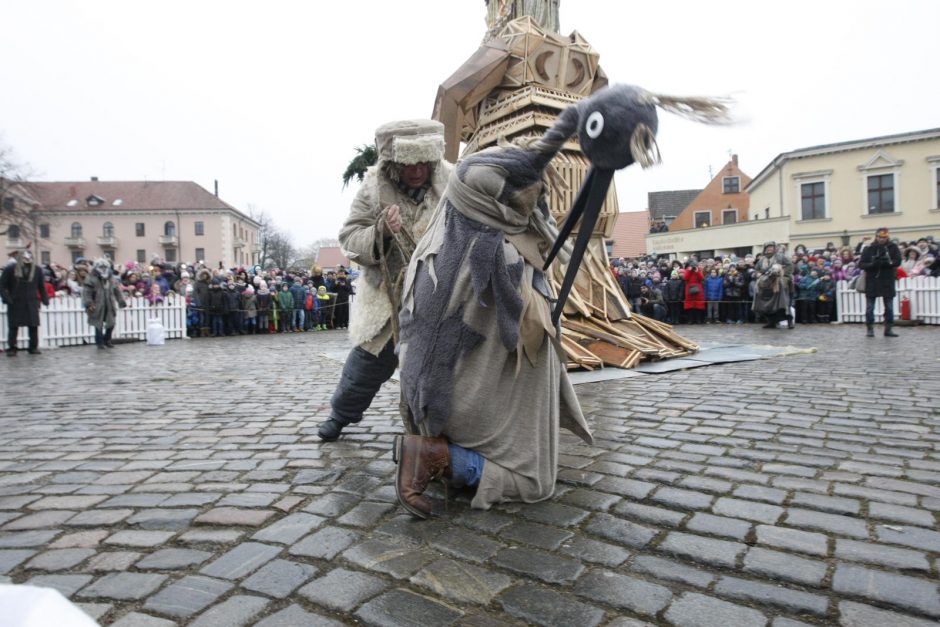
[
  {"x": 721, "y": 289},
  {"x": 225, "y": 302}
]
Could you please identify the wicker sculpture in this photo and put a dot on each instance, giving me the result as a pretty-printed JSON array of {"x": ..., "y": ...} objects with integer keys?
[{"x": 513, "y": 87}]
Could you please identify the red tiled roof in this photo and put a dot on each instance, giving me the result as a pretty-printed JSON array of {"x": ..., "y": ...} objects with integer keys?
[
  {"x": 331, "y": 257},
  {"x": 629, "y": 234},
  {"x": 133, "y": 195}
]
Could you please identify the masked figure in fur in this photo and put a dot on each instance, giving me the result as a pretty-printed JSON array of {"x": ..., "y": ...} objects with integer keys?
[{"x": 482, "y": 370}]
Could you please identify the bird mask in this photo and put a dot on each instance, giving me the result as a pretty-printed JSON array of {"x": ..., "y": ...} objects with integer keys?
[{"x": 616, "y": 127}]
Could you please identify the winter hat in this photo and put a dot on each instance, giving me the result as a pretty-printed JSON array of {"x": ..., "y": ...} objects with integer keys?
[
  {"x": 882, "y": 232},
  {"x": 410, "y": 141},
  {"x": 249, "y": 290},
  {"x": 674, "y": 275},
  {"x": 184, "y": 275},
  {"x": 321, "y": 291},
  {"x": 189, "y": 289}
]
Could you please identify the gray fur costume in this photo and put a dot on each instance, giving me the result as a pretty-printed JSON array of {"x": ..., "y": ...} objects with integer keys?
[
  {"x": 774, "y": 281},
  {"x": 480, "y": 360}
]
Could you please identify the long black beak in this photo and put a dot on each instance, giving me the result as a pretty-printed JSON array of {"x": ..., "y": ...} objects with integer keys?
[{"x": 588, "y": 204}]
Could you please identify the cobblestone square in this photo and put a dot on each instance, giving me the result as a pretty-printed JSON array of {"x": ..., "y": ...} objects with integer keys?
[{"x": 185, "y": 484}]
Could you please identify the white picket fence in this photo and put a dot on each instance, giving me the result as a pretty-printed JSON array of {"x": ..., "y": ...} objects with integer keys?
[
  {"x": 64, "y": 323},
  {"x": 923, "y": 292}
]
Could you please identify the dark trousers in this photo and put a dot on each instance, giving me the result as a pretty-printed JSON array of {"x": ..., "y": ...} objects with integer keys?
[
  {"x": 363, "y": 375},
  {"x": 675, "y": 312},
  {"x": 13, "y": 331},
  {"x": 870, "y": 309},
  {"x": 103, "y": 337}
]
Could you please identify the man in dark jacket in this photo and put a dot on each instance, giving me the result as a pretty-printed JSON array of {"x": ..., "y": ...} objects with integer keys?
[
  {"x": 22, "y": 286},
  {"x": 880, "y": 262}
]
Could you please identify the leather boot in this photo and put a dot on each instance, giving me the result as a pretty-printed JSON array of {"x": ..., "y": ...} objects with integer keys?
[
  {"x": 420, "y": 460},
  {"x": 889, "y": 332},
  {"x": 871, "y": 331}
]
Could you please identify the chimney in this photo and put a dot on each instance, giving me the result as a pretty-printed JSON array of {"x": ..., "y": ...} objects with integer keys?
[
  {"x": 94, "y": 179},
  {"x": 216, "y": 188},
  {"x": 734, "y": 160}
]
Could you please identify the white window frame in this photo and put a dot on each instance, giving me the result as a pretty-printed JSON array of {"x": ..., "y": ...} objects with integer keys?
[
  {"x": 725, "y": 178},
  {"x": 736, "y": 216},
  {"x": 695, "y": 217},
  {"x": 807, "y": 178},
  {"x": 934, "y": 167},
  {"x": 880, "y": 164}
]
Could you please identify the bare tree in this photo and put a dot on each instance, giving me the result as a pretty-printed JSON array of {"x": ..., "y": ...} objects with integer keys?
[
  {"x": 280, "y": 249},
  {"x": 18, "y": 202},
  {"x": 265, "y": 232}
]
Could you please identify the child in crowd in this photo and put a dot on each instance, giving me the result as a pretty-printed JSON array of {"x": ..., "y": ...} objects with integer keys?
[
  {"x": 250, "y": 310},
  {"x": 323, "y": 308}
]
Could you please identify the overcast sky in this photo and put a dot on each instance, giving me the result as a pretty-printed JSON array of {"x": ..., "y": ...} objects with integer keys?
[{"x": 271, "y": 98}]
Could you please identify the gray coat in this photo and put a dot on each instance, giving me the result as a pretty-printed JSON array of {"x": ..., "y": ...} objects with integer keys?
[
  {"x": 22, "y": 290},
  {"x": 101, "y": 297}
]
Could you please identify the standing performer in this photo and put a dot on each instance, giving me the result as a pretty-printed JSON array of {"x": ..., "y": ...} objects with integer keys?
[
  {"x": 482, "y": 369},
  {"x": 397, "y": 196},
  {"x": 774, "y": 272},
  {"x": 880, "y": 262},
  {"x": 101, "y": 297},
  {"x": 22, "y": 287}
]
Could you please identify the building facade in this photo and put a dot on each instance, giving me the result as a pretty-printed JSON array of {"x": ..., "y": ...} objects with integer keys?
[
  {"x": 842, "y": 192},
  {"x": 834, "y": 193},
  {"x": 177, "y": 221}
]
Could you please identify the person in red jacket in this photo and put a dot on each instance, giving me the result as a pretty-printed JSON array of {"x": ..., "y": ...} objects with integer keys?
[{"x": 694, "y": 303}]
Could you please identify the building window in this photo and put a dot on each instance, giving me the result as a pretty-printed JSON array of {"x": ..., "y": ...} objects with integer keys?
[
  {"x": 169, "y": 229},
  {"x": 107, "y": 230},
  {"x": 45, "y": 258},
  {"x": 170, "y": 255},
  {"x": 731, "y": 184},
  {"x": 200, "y": 254},
  {"x": 729, "y": 216},
  {"x": 44, "y": 231},
  {"x": 76, "y": 230},
  {"x": 76, "y": 255},
  {"x": 703, "y": 219},
  {"x": 139, "y": 229},
  {"x": 881, "y": 193},
  {"x": 813, "y": 198},
  {"x": 141, "y": 255},
  {"x": 200, "y": 228},
  {"x": 13, "y": 232},
  {"x": 936, "y": 174}
]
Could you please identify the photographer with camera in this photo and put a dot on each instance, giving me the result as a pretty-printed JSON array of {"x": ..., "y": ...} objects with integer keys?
[{"x": 880, "y": 262}]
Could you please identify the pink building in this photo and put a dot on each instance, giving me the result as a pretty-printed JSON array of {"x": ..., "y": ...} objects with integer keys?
[{"x": 178, "y": 221}]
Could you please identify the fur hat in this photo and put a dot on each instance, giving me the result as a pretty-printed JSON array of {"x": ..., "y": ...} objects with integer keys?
[{"x": 407, "y": 142}]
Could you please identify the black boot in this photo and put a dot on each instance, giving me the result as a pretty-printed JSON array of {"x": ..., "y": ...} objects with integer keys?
[
  {"x": 889, "y": 332},
  {"x": 329, "y": 430},
  {"x": 871, "y": 331}
]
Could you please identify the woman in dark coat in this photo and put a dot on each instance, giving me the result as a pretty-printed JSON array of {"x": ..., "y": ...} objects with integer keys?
[
  {"x": 880, "y": 261},
  {"x": 22, "y": 287},
  {"x": 343, "y": 291}
]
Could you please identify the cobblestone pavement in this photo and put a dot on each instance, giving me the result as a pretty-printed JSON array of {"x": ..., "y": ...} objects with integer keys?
[{"x": 186, "y": 485}]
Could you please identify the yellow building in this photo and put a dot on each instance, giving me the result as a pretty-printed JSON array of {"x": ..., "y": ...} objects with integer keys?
[
  {"x": 835, "y": 193},
  {"x": 841, "y": 192}
]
